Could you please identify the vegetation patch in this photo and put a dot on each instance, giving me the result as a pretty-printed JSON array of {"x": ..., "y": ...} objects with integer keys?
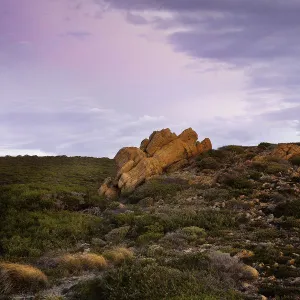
[
  {"x": 288, "y": 208},
  {"x": 158, "y": 188},
  {"x": 79, "y": 262},
  {"x": 118, "y": 255},
  {"x": 20, "y": 278},
  {"x": 295, "y": 160},
  {"x": 150, "y": 281},
  {"x": 28, "y": 234}
]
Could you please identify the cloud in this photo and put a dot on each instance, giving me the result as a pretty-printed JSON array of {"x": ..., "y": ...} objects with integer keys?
[
  {"x": 15, "y": 152},
  {"x": 135, "y": 19},
  {"x": 78, "y": 34},
  {"x": 259, "y": 37},
  {"x": 242, "y": 33}
]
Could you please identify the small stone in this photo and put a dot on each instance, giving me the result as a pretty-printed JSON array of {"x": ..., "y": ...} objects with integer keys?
[
  {"x": 291, "y": 262},
  {"x": 244, "y": 254},
  {"x": 98, "y": 242},
  {"x": 296, "y": 280}
]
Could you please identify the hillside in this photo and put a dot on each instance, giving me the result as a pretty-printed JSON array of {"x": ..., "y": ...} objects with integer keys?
[{"x": 224, "y": 226}]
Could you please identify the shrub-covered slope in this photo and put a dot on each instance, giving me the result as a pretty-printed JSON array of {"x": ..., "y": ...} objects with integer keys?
[{"x": 225, "y": 227}]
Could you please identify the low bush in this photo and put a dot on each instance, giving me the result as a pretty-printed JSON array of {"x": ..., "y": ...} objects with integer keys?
[
  {"x": 149, "y": 237},
  {"x": 16, "y": 278},
  {"x": 158, "y": 188},
  {"x": 267, "y": 234},
  {"x": 27, "y": 234},
  {"x": 235, "y": 180},
  {"x": 117, "y": 235},
  {"x": 194, "y": 232},
  {"x": 255, "y": 175},
  {"x": 232, "y": 267},
  {"x": 233, "y": 148},
  {"x": 150, "y": 281},
  {"x": 275, "y": 168},
  {"x": 271, "y": 165},
  {"x": 288, "y": 208},
  {"x": 295, "y": 160},
  {"x": 265, "y": 146},
  {"x": 209, "y": 163},
  {"x": 216, "y": 194}
]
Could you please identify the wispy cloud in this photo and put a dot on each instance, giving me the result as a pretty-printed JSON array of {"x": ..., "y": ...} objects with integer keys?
[{"x": 78, "y": 34}]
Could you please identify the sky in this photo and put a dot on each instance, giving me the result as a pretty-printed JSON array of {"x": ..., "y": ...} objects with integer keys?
[{"x": 87, "y": 77}]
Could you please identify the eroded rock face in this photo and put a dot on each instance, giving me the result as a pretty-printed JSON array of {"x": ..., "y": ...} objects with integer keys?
[
  {"x": 286, "y": 151},
  {"x": 163, "y": 151}
]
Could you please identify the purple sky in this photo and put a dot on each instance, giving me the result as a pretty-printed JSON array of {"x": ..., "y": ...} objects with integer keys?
[{"x": 87, "y": 77}]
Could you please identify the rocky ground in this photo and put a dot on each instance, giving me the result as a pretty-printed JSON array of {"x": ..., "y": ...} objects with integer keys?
[
  {"x": 250, "y": 197},
  {"x": 228, "y": 220},
  {"x": 262, "y": 191}
]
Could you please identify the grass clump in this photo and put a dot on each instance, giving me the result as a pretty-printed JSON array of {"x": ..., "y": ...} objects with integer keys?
[
  {"x": 118, "y": 255},
  {"x": 16, "y": 278},
  {"x": 76, "y": 263}
]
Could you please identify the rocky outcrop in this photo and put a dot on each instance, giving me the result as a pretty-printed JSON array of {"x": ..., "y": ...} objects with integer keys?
[
  {"x": 163, "y": 151},
  {"x": 286, "y": 151}
]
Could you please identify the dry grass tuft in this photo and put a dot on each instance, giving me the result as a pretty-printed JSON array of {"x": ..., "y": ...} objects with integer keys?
[
  {"x": 82, "y": 262},
  {"x": 16, "y": 278},
  {"x": 118, "y": 255}
]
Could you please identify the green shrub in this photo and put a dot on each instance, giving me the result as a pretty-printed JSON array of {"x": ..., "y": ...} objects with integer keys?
[
  {"x": 217, "y": 154},
  {"x": 233, "y": 148},
  {"x": 275, "y": 168},
  {"x": 32, "y": 233},
  {"x": 209, "y": 163},
  {"x": 290, "y": 222},
  {"x": 148, "y": 237},
  {"x": 117, "y": 235},
  {"x": 295, "y": 160},
  {"x": 255, "y": 175},
  {"x": 271, "y": 166},
  {"x": 289, "y": 208},
  {"x": 235, "y": 181},
  {"x": 194, "y": 232},
  {"x": 267, "y": 234},
  {"x": 216, "y": 193},
  {"x": 265, "y": 146},
  {"x": 158, "y": 188},
  {"x": 150, "y": 281}
]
